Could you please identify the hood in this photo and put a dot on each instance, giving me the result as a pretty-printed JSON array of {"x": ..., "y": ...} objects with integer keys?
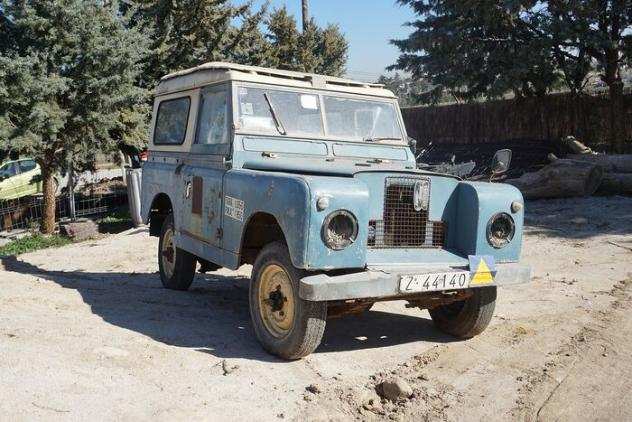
[
  {"x": 320, "y": 157},
  {"x": 341, "y": 168}
]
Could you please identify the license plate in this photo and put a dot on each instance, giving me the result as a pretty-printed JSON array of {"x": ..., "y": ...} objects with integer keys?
[{"x": 451, "y": 280}]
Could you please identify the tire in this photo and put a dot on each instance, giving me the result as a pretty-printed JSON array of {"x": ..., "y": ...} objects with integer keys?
[
  {"x": 285, "y": 325},
  {"x": 178, "y": 272},
  {"x": 467, "y": 318}
]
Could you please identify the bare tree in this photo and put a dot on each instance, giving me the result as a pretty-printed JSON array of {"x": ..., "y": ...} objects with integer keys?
[{"x": 305, "y": 14}]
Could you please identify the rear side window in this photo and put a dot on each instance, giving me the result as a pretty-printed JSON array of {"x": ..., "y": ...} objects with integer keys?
[
  {"x": 213, "y": 124},
  {"x": 27, "y": 165},
  {"x": 171, "y": 121}
]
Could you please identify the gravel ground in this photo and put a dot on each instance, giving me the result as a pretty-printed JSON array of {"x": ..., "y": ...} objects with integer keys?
[{"x": 87, "y": 332}]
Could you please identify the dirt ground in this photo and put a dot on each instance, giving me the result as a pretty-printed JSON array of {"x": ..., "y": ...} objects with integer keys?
[{"x": 87, "y": 333}]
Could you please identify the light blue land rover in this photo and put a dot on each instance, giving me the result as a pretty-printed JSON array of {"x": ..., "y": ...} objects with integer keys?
[{"x": 311, "y": 180}]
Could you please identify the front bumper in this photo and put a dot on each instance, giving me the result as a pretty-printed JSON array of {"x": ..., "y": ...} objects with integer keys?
[{"x": 384, "y": 282}]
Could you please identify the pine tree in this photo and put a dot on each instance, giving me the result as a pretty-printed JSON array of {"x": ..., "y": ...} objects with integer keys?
[
  {"x": 474, "y": 49},
  {"x": 333, "y": 48},
  {"x": 187, "y": 33},
  {"x": 283, "y": 37},
  {"x": 602, "y": 32},
  {"x": 486, "y": 48},
  {"x": 68, "y": 70},
  {"x": 409, "y": 91},
  {"x": 190, "y": 32},
  {"x": 314, "y": 50}
]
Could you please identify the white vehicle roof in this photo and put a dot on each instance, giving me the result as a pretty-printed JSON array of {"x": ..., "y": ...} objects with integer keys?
[{"x": 215, "y": 72}]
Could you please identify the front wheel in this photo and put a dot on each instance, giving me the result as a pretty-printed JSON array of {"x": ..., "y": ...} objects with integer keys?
[
  {"x": 177, "y": 266},
  {"x": 285, "y": 324},
  {"x": 469, "y": 317}
]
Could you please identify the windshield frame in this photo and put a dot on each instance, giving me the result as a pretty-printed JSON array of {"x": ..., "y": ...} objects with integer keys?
[{"x": 320, "y": 93}]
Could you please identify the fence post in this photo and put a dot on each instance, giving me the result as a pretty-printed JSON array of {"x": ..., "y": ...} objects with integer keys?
[
  {"x": 123, "y": 166},
  {"x": 71, "y": 193}
]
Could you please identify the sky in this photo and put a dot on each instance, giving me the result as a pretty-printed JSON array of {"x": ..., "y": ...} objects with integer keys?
[{"x": 368, "y": 26}]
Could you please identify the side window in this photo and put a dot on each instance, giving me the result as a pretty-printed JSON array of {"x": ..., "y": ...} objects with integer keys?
[
  {"x": 171, "y": 121},
  {"x": 213, "y": 118},
  {"x": 27, "y": 165}
]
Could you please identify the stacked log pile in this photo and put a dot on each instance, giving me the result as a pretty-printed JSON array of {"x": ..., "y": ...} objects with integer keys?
[
  {"x": 617, "y": 177},
  {"x": 581, "y": 173}
]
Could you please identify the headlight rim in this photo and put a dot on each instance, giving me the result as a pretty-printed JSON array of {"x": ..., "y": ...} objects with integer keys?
[
  {"x": 499, "y": 244},
  {"x": 327, "y": 222}
]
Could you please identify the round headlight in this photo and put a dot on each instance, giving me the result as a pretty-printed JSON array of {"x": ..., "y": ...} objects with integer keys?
[
  {"x": 500, "y": 230},
  {"x": 340, "y": 230}
]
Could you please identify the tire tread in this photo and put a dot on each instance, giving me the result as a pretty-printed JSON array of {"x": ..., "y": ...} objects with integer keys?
[
  {"x": 184, "y": 271},
  {"x": 474, "y": 318},
  {"x": 307, "y": 335}
]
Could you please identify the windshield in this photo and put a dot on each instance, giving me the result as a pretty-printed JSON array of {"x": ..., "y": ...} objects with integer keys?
[
  {"x": 361, "y": 119},
  {"x": 269, "y": 111},
  {"x": 276, "y": 112}
]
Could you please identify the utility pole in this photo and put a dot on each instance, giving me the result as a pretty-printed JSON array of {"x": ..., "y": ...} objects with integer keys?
[{"x": 305, "y": 14}]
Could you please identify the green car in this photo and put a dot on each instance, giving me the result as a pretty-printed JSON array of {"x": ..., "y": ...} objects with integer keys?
[{"x": 20, "y": 178}]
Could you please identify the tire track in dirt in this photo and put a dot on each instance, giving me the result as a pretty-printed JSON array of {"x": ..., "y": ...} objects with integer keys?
[
  {"x": 590, "y": 344},
  {"x": 486, "y": 377}
]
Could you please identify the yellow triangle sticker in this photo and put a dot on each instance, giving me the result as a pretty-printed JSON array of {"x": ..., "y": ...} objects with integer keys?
[{"x": 483, "y": 274}]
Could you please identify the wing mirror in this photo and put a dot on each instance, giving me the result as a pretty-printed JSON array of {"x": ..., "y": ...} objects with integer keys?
[{"x": 501, "y": 162}]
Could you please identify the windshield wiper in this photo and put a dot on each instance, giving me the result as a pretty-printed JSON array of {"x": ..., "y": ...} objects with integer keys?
[
  {"x": 279, "y": 126},
  {"x": 381, "y": 138}
]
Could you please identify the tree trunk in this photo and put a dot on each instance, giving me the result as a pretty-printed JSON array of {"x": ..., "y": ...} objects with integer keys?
[
  {"x": 561, "y": 178},
  {"x": 612, "y": 78},
  {"x": 617, "y": 116},
  {"x": 48, "y": 207},
  {"x": 305, "y": 14},
  {"x": 615, "y": 163}
]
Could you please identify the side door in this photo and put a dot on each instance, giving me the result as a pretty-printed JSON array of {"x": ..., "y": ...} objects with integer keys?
[{"x": 210, "y": 149}]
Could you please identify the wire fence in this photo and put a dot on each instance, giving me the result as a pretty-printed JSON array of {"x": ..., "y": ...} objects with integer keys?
[{"x": 26, "y": 213}]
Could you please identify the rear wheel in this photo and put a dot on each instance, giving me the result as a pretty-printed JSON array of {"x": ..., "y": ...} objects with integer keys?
[
  {"x": 469, "y": 317},
  {"x": 177, "y": 267},
  {"x": 285, "y": 324}
]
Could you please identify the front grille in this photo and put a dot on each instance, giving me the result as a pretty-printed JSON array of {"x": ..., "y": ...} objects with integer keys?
[{"x": 402, "y": 226}]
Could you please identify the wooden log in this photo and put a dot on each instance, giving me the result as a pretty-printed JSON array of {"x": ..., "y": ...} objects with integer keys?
[
  {"x": 615, "y": 163},
  {"x": 616, "y": 184},
  {"x": 575, "y": 146},
  {"x": 560, "y": 179}
]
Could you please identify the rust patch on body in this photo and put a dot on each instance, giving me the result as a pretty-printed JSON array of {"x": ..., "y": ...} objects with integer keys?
[{"x": 198, "y": 195}]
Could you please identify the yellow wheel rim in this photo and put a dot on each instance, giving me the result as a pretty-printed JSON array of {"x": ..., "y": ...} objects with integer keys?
[
  {"x": 276, "y": 300},
  {"x": 168, "y": 254}
]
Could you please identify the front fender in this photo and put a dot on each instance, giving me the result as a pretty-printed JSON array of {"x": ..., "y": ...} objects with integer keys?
[
  {"x": 291, "y": 199},
  {"x": 284, "y": 196},
  {"x": 477, "y": 203},
  {"x": 344, "y": 194}
]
